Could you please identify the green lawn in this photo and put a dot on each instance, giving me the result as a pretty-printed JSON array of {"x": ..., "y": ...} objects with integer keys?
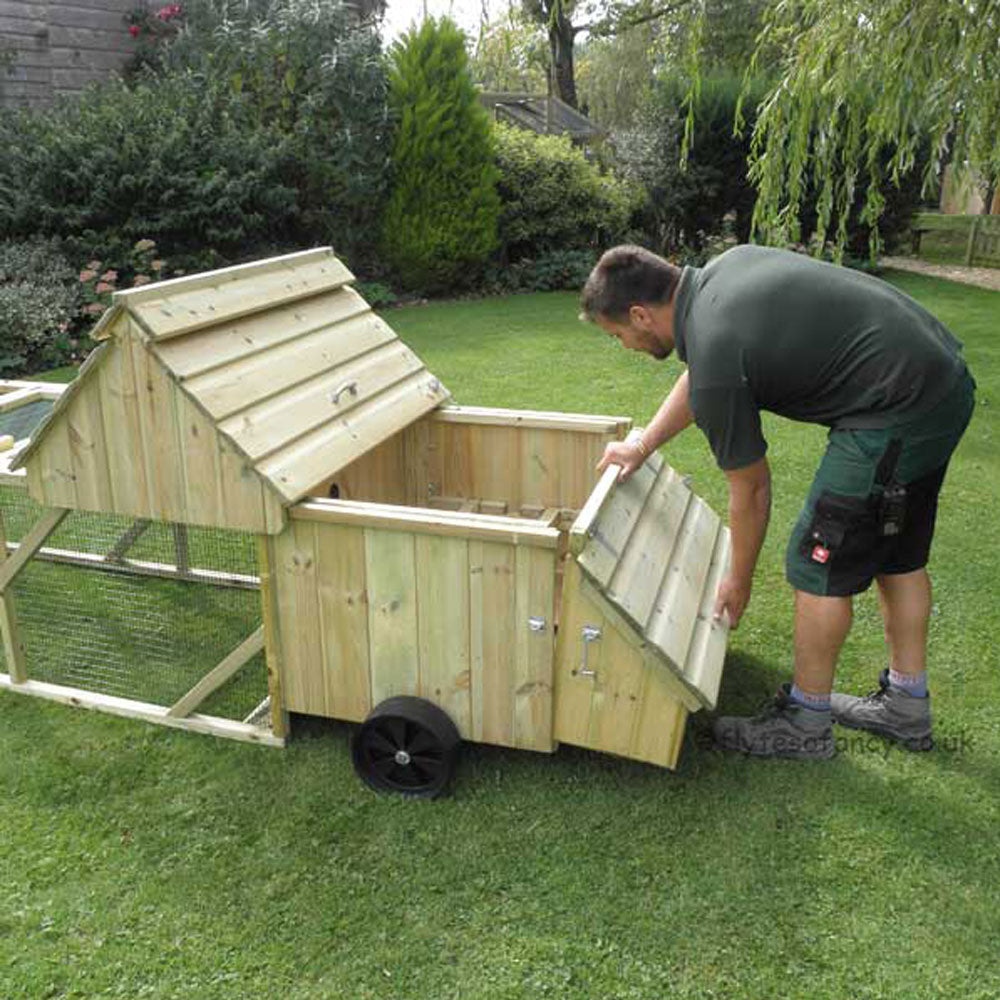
[{"x": 143, "y": 862}]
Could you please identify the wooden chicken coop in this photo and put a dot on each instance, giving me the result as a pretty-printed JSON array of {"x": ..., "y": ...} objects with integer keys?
[{"x": 433, "y": 572}]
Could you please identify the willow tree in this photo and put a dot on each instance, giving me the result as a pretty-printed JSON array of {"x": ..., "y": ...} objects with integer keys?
[{"x": 861, "y": 88}]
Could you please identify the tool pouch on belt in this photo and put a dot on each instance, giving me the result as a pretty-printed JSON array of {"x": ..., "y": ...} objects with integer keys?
[{"x": 839, "y": 524}]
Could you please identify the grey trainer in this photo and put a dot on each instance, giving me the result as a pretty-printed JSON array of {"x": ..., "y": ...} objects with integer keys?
[
  {"x": 888, "y": 712},
  {"x": 782, "y": 729}
]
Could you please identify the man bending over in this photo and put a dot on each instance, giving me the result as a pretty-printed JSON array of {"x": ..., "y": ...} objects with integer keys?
[{"x": 765, "y": 329}]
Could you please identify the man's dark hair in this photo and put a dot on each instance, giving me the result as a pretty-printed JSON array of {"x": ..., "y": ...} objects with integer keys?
[{"x": 626, "y": 276}]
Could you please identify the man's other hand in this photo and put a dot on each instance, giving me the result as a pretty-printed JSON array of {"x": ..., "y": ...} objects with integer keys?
[
  {"x": 628, "y": 456},
  {"x": 732, "y": 599}
]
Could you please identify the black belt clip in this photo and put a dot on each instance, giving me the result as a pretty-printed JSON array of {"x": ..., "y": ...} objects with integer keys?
[{"x": 890, "y": 496}]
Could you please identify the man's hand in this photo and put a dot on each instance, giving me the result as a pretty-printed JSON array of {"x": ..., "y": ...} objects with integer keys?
[
  {"x": 628, "y": 455},
  {"x": 732, "y": 598}
]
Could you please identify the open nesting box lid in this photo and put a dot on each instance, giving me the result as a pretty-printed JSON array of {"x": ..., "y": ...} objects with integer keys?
[
  {"x": 279, "y": 363},
  {"x": 656, "y": 553}
]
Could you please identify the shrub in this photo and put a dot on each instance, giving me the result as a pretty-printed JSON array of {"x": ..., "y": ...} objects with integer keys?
[
  {"x": 168, "y": 159},
  {"x": 685, "y": 206},
  {"x": 441, "y": 222},
  {"x": 552, "y": 271},
  {"x": 38, "y": 303},
  {"x": 553, "y": 199}
]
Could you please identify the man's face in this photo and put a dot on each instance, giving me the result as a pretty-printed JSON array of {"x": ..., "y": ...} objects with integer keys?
[{"x": 638, "y": 331}]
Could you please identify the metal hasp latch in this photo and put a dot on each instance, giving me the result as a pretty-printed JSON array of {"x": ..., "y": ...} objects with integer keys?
[
  {"x": 590, "y": 633},
  {"x": 536, "y": 624}
]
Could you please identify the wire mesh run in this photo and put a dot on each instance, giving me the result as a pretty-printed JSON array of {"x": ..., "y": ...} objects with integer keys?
[{"x": 137, "y": 609}]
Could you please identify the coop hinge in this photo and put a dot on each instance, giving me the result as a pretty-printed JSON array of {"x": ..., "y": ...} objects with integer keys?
[
  {"x": 536, "y": 624},
  {"x": 589, "y": 633}
]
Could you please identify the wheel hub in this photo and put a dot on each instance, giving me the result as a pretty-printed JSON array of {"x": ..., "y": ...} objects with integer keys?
[{"x": 402, "y": 758}]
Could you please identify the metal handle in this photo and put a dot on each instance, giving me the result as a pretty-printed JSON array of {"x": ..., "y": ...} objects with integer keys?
[
  {"x": 536, "y": 624},
  {"x": 590, "y": 633},
  {"x": 351, "y": 387}
]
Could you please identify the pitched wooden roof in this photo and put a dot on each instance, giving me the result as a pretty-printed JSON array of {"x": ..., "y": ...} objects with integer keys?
[
  {"x": 285, "y": 362},
  {"x": 657, "y": 553}
]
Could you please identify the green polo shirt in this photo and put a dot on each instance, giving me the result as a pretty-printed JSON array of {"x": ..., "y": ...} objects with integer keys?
[{"x": 765, "y": 329}]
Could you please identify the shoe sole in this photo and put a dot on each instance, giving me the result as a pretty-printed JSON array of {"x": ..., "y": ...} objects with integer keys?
[{"x": 915, "y": 744}]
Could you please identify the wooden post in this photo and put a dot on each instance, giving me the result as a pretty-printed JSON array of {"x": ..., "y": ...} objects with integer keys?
[
  {"x": 12, "y": 644},
  {"x": 971, "y": 247},
  {"x": 272, "y": 638}
]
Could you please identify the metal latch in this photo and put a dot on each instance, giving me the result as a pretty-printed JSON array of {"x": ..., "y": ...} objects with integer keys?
[
  {"x": 536, "y": 624},
  {"x": 590, "y": 633}
]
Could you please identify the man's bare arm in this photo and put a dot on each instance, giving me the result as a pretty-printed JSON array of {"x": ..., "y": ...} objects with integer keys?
[
  {"x": 749, "y": 512},
  {"x": 671, "y": 418}
]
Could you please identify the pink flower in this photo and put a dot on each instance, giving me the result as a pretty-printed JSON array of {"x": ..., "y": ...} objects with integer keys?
[
  {"x": 109, "y": 276},
  {"x": 134, "y": 30},
  {"x": 103, "y": 286},
  {"x": 141, "y": 279},
  {"x": 94, "y": 309},
  {"x": 87, "y": 275},
  {"x": 94, "y": 265}
]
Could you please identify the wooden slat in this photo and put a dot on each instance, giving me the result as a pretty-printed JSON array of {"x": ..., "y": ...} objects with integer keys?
[
  {"x": 311, "y": 459},
  {"x": 535, "y": 581},
  {"x": 648, "y": 554},
  {"x": 488, "y": 527},
  {"x": 206, "y": 724},
  {"x": 540, "y": 419},
  {"x": 168, "y": 309},
  {"x": 442, "y": 582},
  {"x": 617, "y": 689},
  {"x": 343, "y": 621},
  {"x": 662, "y": 718},
  {"x": 13, "y": 645},
  {"x": 580, "y": 530},
  {"x": 492, "y": 627},
  {"x": 247, "y": 338},
  {"x": 703, "y": 668},
  {"x": 47, "y": 523},
  {"x": 273, "y": 638},
  {"x": 681, "y": 595},
  {"x": 609, "y": 536},
  {"x": 218, "y": 676},
  {"x": 294, "y": 365},
  {"x": 266, "y": 427},
  {"x": 199, "y": 452},
  {"x": 392, "y": 613},
  {"x": 88, "y": 450}
]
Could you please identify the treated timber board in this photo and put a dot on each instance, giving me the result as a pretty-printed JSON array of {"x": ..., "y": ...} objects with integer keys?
[
  {"x": 609, "y": 535},
  {"x": 485, "y": 416},
  {"x": 169, "y": 309},
  {"x": 442, "y": 598},
  {"x": 329, "y": 448},
  {"x": 703, "y": 667},
  {"x": 650, "y": 551},
  {"x": 535, "y": 582},
  {"x": 493, "y": 656},
  {"x": 683, "y": 589},
  {"x": 266, "y": 427},
  {"x": 297, "y": 369},
  {"x": 218, "y": 676},
  {"x": 250, "y": 337},
  {"x": 488, "y": 527},
  {"x": 47, "y": 523},
  {"x": 13, "y": 644},
  {"x": 273, "y": 637},
  {"x": 343, "y": 621},
  {"x": 88, "y": 450},
  {"x": 390, "y": 568},
  {"x": 206, "y": 724}
]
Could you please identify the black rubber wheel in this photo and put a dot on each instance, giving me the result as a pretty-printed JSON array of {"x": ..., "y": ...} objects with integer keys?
[{"x": 408, "y": 746}]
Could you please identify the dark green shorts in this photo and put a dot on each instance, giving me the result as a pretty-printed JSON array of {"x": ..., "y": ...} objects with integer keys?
[{"x": 837, "y": 546}]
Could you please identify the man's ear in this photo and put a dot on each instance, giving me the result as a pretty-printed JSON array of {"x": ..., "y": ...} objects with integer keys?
[{"x": 640, "y": 317}]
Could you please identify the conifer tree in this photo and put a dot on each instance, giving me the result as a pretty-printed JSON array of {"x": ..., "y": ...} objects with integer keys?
[{"x": 441, "y": 221}]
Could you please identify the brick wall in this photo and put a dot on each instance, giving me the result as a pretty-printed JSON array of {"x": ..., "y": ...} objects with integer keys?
[{"x": 59, "y": 47}]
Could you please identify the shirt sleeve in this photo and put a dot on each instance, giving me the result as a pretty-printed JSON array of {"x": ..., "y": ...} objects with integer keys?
[{"x": 730, "y": 419}]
